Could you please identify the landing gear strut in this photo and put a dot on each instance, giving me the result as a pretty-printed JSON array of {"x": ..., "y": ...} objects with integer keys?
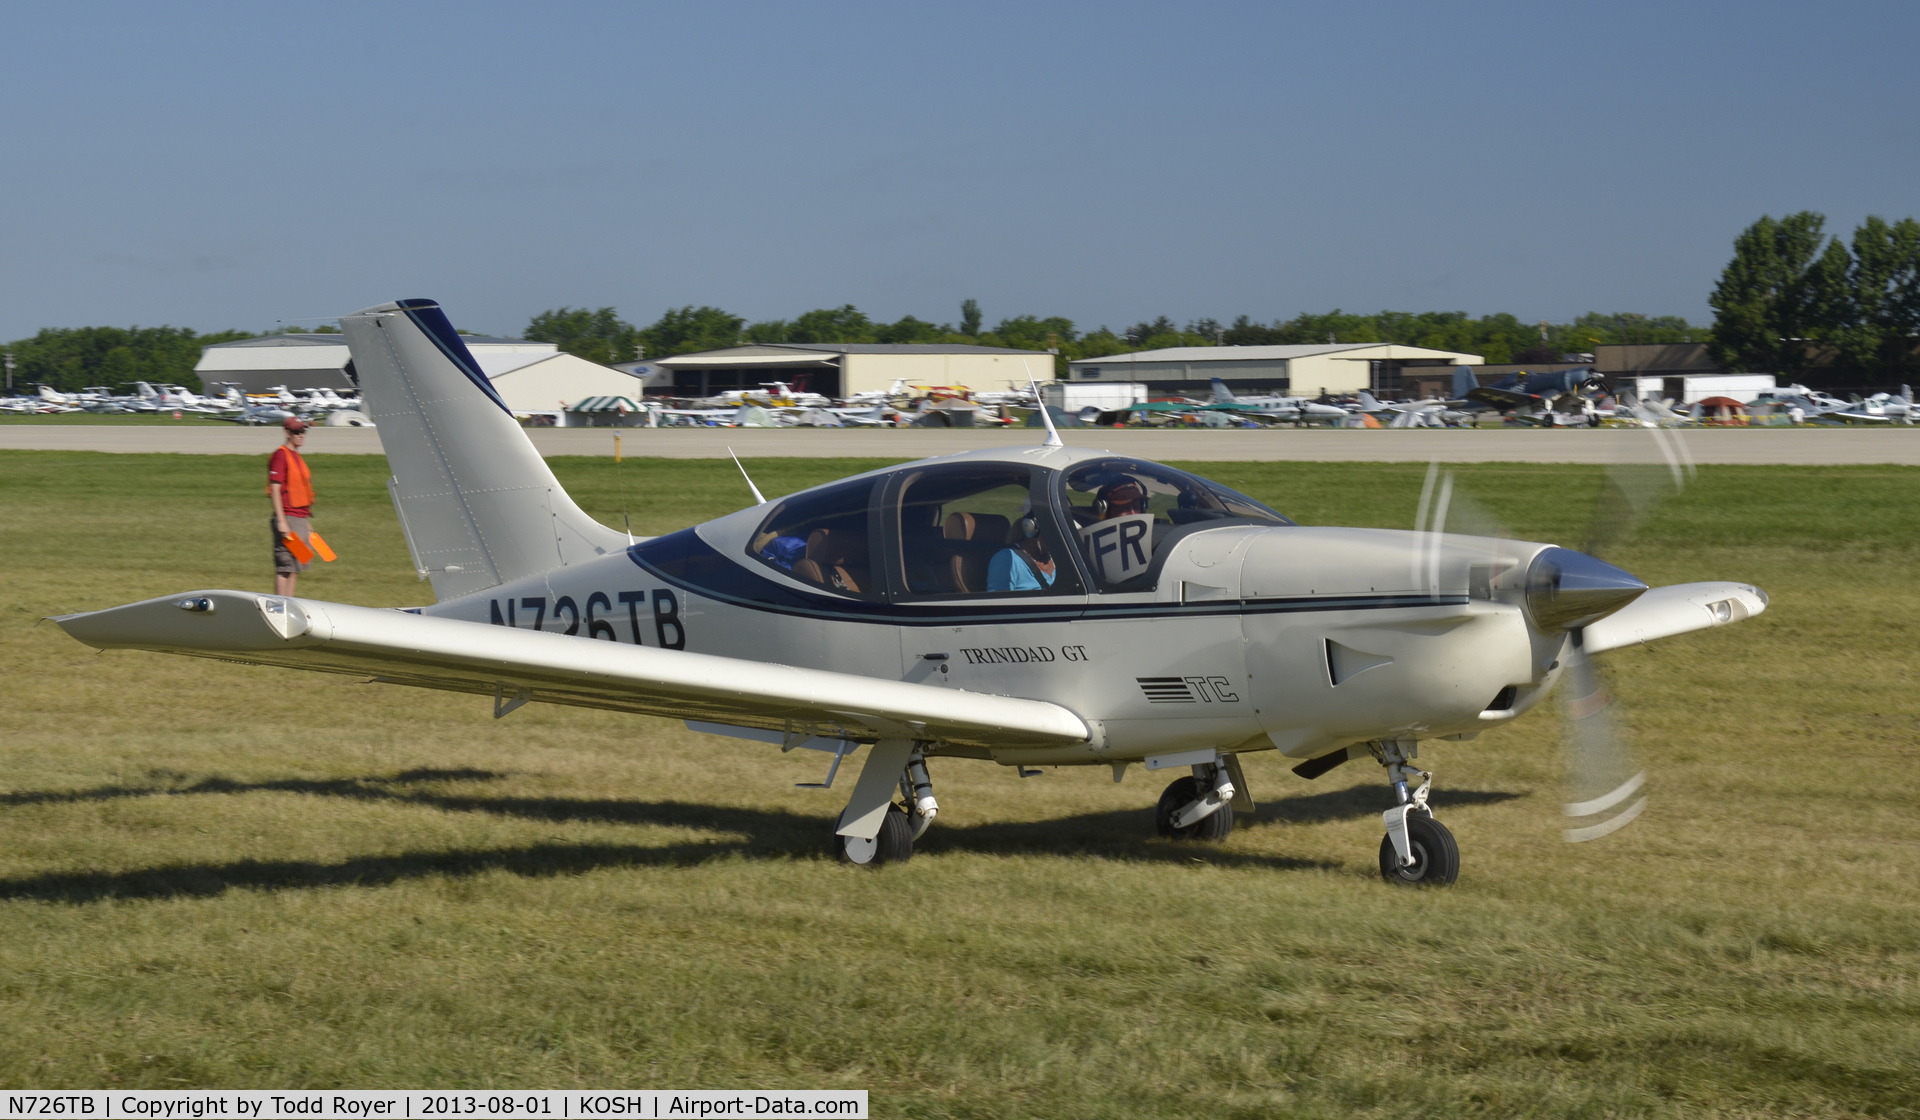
[
  {"x": 875, "y": 830},
  {"x": 1417, "y": 850},
  {"x": 1197, "y": 808}
]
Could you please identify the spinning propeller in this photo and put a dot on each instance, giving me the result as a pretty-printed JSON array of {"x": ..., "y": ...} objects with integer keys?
[{"x": 1567, "y": 590}]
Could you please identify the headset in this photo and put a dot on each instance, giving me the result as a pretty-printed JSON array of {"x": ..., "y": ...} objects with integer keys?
[{"x": 1026, "y": 526}]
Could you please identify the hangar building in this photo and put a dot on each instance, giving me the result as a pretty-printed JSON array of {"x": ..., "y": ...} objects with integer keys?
[
  {"x": 841, "y": 369},
  {"x": 529, "y": 376},
  {"x": 1307, "y": 371}
]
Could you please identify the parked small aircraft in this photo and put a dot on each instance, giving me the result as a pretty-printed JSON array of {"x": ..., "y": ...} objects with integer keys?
[
  {"x": 1031, "y": 607},
  {"x": 1534, "y": 394},
  {"x": 1299, "y": 409}
]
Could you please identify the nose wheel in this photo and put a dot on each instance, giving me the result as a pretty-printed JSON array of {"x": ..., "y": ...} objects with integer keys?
[
  {"x": 1417, "y": 850},
  {"x": 1436, "y": 858}
]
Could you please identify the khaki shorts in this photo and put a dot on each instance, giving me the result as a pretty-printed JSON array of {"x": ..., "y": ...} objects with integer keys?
[{"x": 283, "y": 562}]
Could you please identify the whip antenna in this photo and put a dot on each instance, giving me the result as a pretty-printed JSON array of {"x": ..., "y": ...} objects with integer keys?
[
  {"x": 621, "y": 481},
  {"x": 1053, "y": 433},
  {"x": 757, "y": 499}
]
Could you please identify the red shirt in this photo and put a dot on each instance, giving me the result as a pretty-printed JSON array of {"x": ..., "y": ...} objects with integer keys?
[{"x": 279, "y": 466}]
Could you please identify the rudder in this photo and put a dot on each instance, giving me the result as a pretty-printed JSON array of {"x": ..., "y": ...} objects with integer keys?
[{"x": 477, "y": 503}]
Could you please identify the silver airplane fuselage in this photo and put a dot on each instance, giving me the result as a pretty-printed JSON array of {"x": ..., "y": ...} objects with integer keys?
[{"x": 1250, "y": 636}]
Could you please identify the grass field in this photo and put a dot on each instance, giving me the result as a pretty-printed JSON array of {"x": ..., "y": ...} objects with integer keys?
[{"x": 242, "y": 877}]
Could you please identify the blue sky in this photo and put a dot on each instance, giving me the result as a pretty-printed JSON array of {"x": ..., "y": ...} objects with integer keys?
[{"x": 216, "y": 165}]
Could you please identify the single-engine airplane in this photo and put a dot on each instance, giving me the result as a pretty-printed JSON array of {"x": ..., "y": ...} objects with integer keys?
[{"x": 1038, "y": 606}]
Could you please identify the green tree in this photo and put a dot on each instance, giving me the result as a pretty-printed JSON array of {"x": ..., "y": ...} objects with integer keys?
[
  {"x": 1027, "y": 332},
  {"x": 1762, "y": 300},
  {"x": 1246, "y": 332},
  {"x": 766, "y": 330},
  {"x": 1883, "y": 318},
  {"x": 688, "y": 330},
  {"x": 598, "y": 336},
  {"x": 68, "y": 358},
  {"x": 969, "y": 317},
  {"x": 908, "y": 330},
  {"x": 845, "y": 323}
]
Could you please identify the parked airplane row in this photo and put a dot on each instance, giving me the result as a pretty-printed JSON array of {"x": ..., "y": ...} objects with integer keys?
[{"x": 320, "y": 405}]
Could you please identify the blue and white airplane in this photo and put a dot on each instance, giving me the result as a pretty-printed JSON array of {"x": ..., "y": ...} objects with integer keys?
[{"x": 1043, "y": 606}]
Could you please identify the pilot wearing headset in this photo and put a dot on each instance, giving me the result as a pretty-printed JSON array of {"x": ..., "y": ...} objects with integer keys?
[
  {"x": 1026, "y": 564},
  {"x": 1120, "y": 498}
]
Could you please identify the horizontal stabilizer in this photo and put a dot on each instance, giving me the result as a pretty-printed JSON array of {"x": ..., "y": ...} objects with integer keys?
[
  {"x": 399, "y": 647},
  {"x": 1676, "y": 609}
]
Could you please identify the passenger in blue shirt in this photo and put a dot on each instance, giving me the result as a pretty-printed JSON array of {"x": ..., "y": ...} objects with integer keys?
[{"x": 1021, "y": 566}]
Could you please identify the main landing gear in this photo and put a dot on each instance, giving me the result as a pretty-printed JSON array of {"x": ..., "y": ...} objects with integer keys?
[
  {"x": 873, "y": 829},
  {"x": 1198, "y": 807},
  {"x": 1417, "y": 850}
]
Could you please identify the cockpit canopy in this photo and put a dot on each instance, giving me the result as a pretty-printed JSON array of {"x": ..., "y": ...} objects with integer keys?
[
  {"x": 995, "y": 528},
  {"x": 1126, "y": 512}
]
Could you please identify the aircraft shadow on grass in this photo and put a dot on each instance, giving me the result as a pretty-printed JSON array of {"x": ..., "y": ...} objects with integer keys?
[{"x": 763, "y": 834}]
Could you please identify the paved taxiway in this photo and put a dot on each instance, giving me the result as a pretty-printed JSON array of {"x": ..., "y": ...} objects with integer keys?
[{"x": 1803, "y": 446}]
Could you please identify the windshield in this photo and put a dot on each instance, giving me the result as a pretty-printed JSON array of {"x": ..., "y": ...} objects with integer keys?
[{"x": 1126, "y": 512}]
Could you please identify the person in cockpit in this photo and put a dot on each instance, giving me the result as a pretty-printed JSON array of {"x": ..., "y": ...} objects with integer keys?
[
  {"x": 1024, "y": 565},
  {"x": 1121, "y": 498}
]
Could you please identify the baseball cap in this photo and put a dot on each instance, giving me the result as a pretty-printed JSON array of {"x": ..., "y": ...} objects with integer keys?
[{"x": 294, "y": 424}]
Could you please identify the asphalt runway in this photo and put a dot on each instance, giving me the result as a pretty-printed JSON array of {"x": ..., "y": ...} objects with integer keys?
[{"x": 1802, "y": 446}]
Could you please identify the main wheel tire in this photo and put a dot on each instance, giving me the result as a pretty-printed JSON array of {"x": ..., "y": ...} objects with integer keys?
[
  {"x": 1436, "y": 858},
  {"x": 1212, "y": 828},
  {"x": 892, "y": 844}
]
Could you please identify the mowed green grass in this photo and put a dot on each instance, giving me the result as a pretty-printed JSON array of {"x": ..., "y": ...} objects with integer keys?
[{"x": 232, "y": 876}]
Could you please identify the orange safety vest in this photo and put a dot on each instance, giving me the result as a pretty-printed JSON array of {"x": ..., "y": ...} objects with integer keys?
[{"x": 297, "y": 493}]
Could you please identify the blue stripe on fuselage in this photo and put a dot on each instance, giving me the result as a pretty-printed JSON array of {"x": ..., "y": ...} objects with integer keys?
[{"x": 690, "y": 564}]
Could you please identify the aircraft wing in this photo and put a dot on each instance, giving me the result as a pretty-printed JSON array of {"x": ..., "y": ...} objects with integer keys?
[
  {"x": 1676, "y": 609},
  {"x": 400, "y": 647}
]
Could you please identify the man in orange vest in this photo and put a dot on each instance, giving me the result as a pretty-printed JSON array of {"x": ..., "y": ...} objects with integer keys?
[{"x": 290, "y": 485}]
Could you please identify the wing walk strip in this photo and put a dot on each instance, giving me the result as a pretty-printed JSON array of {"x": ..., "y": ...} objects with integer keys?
[{"x": 479, "y": 658}]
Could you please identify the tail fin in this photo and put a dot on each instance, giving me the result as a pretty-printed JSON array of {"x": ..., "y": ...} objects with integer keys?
[
  {"x": 1222, "y": 394},
  {"x": 1463, "y": 381},
  {"x": 478, "y": 505},
  {"x": 1370, "y": 403}
]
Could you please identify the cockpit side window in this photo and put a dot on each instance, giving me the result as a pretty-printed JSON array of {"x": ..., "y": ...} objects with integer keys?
[
  {"x": 1126, "y": 512},
  {"x": 977, "y": 529},
  {"x": 820, "y": 537}
]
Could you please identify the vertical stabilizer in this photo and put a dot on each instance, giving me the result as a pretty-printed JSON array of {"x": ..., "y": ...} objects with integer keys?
[
  {"x": 477, "y": 503},
  {"x": 1463, "y": 382},
  {"x": 1222, "y": 394}
]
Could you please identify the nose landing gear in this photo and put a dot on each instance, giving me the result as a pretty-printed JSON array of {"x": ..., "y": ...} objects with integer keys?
[{"x": 1417, "y": 850}]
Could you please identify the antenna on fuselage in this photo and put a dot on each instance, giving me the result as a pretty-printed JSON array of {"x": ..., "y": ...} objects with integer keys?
[
  {"x": 1053, "y": 433},
  {"x": 757, "y": 499}
]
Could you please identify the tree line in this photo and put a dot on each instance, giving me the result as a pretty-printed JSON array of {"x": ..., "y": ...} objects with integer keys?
[
  {"x": 69, "y": 358},
  {"x": 601, "y": 335},
  {"x": 1793, "y": 298}
]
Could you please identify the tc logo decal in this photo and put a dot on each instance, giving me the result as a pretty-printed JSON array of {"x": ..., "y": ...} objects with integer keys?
[{"x": 1187, "y": 690}]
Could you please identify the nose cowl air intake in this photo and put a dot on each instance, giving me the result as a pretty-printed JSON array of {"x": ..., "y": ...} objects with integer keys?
[{"x": 1567, "y": 589}]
